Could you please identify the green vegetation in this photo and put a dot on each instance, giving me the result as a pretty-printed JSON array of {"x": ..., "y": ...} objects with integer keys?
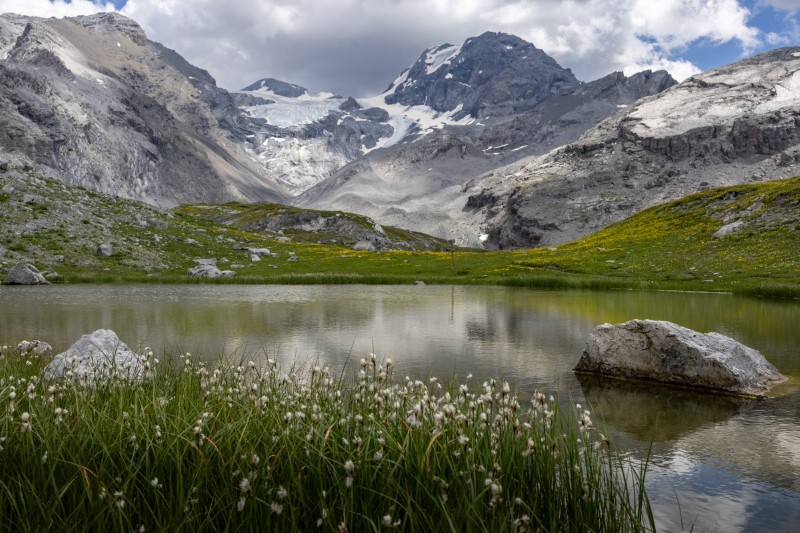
[
  {"x": 668, "y": 247},
  {"x": 241, "y": 447}
]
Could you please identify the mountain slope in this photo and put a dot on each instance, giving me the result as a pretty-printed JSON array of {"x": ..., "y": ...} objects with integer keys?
[
  {"x": 735, "y": 124},
  {"x": 678, "y": 245},
  {"x": 470, "y": 109},
  {"x": 91, "y": 101}
]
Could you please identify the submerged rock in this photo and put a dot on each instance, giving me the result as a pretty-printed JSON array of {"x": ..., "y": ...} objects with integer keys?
[
  {"x": 25, "y": 274},
  {"x": 97, "y": 358},
  {"x": 665, "y": 352}
]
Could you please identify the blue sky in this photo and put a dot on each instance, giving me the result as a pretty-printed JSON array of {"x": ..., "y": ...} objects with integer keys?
[{"x": 356, "y": 47}]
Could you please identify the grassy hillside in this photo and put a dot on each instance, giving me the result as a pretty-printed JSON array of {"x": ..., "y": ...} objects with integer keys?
[
  {"x": 58, "y": 228},
  {"x": 675, "y": 242}
]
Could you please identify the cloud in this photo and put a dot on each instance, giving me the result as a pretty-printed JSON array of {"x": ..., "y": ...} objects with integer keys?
[
  {"x": 356, "y": 47},
  {"x": 54, "y": 8}
]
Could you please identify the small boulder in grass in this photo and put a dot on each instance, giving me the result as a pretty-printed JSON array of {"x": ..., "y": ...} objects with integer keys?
[
  {"x": 34, "y": 348},
  {"x": 97, "y": 358},
  {"x": 652, "y": 350},
  {"x": 25, "y": 274}
]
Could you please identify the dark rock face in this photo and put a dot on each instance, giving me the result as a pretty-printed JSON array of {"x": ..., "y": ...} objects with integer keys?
[
  {"x": 281, "y": 88},
  {"x": 665, "y": 352},
  {"x": 488, "y": 75}
]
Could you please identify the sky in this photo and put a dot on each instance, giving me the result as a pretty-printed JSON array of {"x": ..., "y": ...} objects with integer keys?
[{"x": 357, "y": 47}]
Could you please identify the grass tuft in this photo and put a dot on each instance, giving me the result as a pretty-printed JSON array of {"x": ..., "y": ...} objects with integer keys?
[{"x": 240, "y": 446}]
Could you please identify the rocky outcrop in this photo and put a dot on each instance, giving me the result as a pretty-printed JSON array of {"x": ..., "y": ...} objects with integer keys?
[
  {"x": 665, "y": 352},
  {"x": 25, "y": 274},
  {"x": 95, "y": 359}
]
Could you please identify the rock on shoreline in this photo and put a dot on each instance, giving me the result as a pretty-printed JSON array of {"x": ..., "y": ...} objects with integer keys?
[
  {"x": 25, "y": 274},
  {"x": 668, "y": 353},
  {"x": 97, "y": 358}
]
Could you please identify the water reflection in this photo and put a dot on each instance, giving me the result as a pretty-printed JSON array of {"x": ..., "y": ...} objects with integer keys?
[
  {"x": 734, "y": 465},
  {"x": 648, "y": 412}
]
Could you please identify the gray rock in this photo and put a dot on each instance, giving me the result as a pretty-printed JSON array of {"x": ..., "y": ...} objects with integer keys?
[
  {"x": 665, "y": 352},
  {"x": 292, "y": 259},
  {"x": 206, "y": 261},
  {"x": 258, "y": 251},
  {"x": 727, "y": 229},
  {"x": 209, "y": 271},
  {"x": 95, "y": 359},
  {"x": 157, "y": 223},
  {"x": 34, "y": 348},
  {"x": 255, "y": 257},
  {"x": 51, "y": 275},
  {"x": 105, "y": 250},
  {"x": 420, "y": 283},
  {"x": 364, "y": 246},
  {"x": 25, "y": 274}
]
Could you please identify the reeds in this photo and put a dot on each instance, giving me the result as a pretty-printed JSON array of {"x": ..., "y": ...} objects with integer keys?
[{"x": 246, "y": 446}]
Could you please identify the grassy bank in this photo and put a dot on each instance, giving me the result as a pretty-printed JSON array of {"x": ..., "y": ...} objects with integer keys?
[
  {"x": 247, "y": 448},
  {"x": 668, "y": 247}
]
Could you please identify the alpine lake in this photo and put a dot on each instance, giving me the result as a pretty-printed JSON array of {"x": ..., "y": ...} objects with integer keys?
[{"x": 717, "y": 463}]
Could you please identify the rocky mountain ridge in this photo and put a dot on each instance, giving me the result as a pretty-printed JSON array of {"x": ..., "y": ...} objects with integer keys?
[
  {"x": 735, "y": 124},
  {"x": 92, "y": 102}
]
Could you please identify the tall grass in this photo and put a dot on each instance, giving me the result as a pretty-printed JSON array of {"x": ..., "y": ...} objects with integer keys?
[{"x": 244, "y": 447}]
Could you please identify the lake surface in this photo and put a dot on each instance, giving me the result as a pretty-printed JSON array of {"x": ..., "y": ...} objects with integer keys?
[{"x": 718, "y": 464}]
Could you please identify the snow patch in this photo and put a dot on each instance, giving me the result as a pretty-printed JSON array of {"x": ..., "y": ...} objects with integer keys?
[
  {"x": 287, "y": 112},
  {"x": 448, "y": 76},
  {"x": 435, "y": 58}
]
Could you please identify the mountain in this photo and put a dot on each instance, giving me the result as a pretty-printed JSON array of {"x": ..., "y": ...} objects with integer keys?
[
  {"x": 91, "y": 101},
  {"x": 495, "y": 74},
  {"x": 465, "y": 110},
  {"x": 736, "y": 124}
]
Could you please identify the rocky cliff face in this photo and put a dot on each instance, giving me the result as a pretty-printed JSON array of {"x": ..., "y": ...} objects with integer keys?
[
  {"x": 495, "y": 74},
  {"x": 92, "y": 102},
  {"x": 730, "y": 125}
]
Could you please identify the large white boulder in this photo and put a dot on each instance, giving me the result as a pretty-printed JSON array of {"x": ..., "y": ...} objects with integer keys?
[
  {"x": 665, "y": 352},
  {"x": 97, "y": 358}
]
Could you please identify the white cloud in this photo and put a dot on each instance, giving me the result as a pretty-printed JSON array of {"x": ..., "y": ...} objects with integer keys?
[
  {"x": 358, "y": 46},
  {"x": 54, "y": 8}
]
